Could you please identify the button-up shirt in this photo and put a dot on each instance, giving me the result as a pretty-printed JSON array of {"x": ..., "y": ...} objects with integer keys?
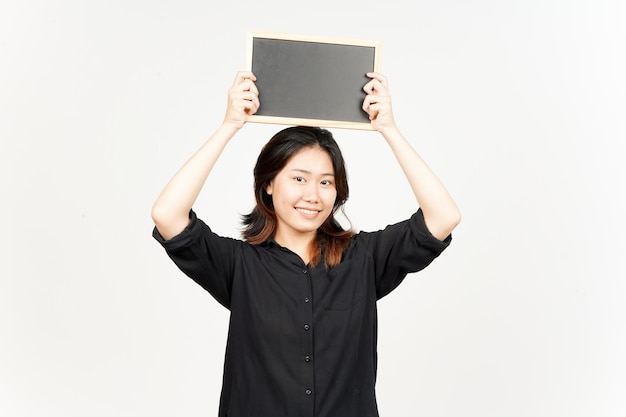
[{"x": 302, "y": 338}]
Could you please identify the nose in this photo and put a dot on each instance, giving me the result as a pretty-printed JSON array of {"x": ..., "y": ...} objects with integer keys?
[{"x": 311, "y": 193}]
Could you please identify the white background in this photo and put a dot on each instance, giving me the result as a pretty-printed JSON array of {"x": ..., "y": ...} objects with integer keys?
[{"x": 517, "y": 105}]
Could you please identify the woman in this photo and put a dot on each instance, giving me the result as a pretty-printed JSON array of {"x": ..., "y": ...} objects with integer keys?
[{"x": 301, "y": 290}]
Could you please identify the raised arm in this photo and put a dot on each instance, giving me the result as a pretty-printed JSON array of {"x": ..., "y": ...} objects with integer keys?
[
  {"x": 170, "y": 212},
  {"x": 440, "y": 211}
]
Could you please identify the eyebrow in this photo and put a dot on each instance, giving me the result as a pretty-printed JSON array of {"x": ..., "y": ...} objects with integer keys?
[{"x": 305, "y": 171}]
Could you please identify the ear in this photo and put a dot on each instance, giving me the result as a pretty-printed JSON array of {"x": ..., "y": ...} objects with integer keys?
[{"x": 268, "y": 188}]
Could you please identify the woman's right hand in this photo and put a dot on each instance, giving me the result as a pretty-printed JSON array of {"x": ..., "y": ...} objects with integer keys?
[{"x": 243, "y": 99}]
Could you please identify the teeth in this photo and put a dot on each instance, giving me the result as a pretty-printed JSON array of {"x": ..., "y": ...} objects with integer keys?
[{"x": 305, "y": 211}]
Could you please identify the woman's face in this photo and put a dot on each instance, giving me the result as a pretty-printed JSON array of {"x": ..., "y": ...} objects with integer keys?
[{"x": 303, "y": 193}]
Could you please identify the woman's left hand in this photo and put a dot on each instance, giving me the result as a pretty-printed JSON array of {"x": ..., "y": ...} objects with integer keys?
[{"x": 377, "y": 103}]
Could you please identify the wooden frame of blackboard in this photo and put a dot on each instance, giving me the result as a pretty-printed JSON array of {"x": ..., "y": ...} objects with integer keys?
[{"x": 311, "y": 80}]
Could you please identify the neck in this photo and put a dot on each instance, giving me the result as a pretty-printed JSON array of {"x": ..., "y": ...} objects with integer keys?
[{"x": 300, "y": 245}]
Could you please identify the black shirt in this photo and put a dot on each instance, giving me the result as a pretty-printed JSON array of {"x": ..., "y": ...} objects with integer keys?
[{"x": 302, "y": 339}]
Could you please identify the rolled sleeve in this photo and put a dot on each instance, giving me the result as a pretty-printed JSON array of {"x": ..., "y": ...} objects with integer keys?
[
  {"x": 403, "y": 248},
  {"x": 203, "y": 256},
  {"x": 423, "y": 235}
]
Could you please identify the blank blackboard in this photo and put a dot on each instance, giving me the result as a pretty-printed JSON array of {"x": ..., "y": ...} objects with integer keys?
[{"x": 311, "y": 81}]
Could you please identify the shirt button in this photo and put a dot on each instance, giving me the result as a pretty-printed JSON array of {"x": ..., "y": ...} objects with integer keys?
[
  {"x": 306, "y": 299},
  {"x": 307, "y": 327},
  {"x": 307, "y": 358},
  {"x": 308, "y": 392},
  {"x": 304, "y": 271}
]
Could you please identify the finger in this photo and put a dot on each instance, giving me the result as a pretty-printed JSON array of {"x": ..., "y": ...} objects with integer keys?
[
  {"x": 373, "y": 110},
  {"x": 242, "y": 75},
  {"x": 371, "y": 99},
  {"x": 252, "y": 87},
  {"x": 241, "y": 78},
  {"x": 377, "y": 85},
  {"x": 253, "y": 100},
  {"x": 239, "y": 96},
  {"x": 246, "y": 100},
  {"x": 247, "y": 84},
  {"x": 378, "y": 76},
  {"x": 250, "y": 106},
  {"x": 370, "y": 107},
  {"x": 369, "y": 87}
]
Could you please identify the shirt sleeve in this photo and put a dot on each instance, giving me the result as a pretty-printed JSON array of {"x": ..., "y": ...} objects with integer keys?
[
  {"x": 401, "y": 249},
  {"x": 204, "y": 256}
]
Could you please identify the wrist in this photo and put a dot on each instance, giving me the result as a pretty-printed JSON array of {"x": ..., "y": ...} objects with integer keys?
[
  {"x": 229, "y": 128},
  {"x": 389, "y": 132}
]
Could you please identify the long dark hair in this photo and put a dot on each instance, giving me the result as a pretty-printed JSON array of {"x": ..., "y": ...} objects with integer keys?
[{"x": 260, "y": 224}]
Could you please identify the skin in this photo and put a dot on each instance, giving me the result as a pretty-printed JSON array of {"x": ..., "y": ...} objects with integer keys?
[
  {"x": 303, "y": 193},
  {"x": 170, "y": 212}
]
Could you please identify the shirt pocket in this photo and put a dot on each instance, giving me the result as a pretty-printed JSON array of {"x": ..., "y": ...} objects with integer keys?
[{"x": 345, "y": 287}]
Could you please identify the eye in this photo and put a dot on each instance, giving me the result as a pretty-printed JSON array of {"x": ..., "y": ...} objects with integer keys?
[
  {"x": 327, "y": 182},
  {"x": 299, "y": 179}
]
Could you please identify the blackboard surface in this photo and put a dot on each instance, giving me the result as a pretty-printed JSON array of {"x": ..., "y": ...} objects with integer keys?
[{"x": 309, "y": 81}]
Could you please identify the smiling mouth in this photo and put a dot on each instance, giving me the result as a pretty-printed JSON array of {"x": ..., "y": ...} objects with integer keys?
[{"x": 306, "y": 211}]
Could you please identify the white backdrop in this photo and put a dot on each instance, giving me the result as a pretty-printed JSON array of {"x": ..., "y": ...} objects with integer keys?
[{"x": 517, "y": 105}]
